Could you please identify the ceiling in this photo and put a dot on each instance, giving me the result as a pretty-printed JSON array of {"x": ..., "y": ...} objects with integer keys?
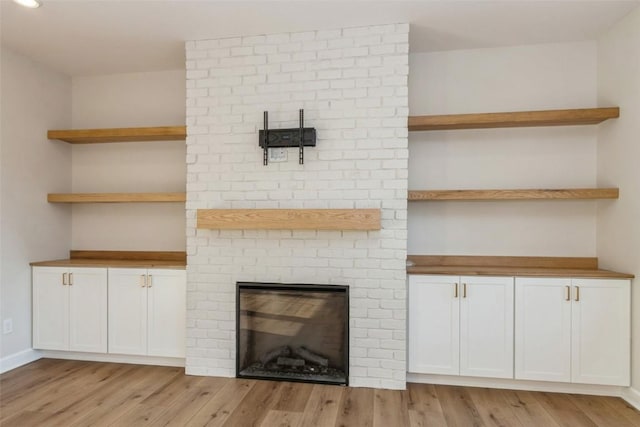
[{"x": 84, "y": 37}]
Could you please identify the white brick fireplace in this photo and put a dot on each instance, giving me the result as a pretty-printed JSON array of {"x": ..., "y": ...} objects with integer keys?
[{"x": 352, "y": 85}]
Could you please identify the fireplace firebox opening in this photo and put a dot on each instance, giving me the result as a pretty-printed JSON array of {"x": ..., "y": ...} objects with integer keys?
[{"x": 292, "y": 332}]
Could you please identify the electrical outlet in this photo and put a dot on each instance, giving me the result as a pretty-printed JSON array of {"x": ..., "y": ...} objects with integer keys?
[
  {"x": 7, "y": 326},
  {"x": 277, "y": 154}
]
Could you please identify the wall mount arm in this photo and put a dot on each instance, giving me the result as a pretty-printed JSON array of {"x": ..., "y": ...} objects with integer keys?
[{"x": 283, "y": 138}]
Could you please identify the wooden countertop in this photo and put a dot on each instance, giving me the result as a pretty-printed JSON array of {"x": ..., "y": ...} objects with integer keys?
[
  {"x": 511, "y": 266},
  {"x": 119, "y": 259},
  {"x": 523, "y": 272},
  {"x": 110, "y": 263}
]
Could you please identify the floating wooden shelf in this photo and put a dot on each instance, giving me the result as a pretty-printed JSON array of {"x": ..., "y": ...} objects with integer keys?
[
  {"x": 542, "y": 194},
  {"x": 98, "y": 136},
  {"x": 115, "y": 197},
  {"x": 584, "y": 116},
  {"x": 289, "y": 219}
]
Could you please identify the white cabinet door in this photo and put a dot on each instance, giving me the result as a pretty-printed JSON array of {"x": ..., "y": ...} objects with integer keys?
[
  {"x": 486, "y": 326},
  {"x": 88, "y": 309},
  {"x": 543, "y": 329},
  {"x": 434, "y": 325},
  {"x": 127, "y": 311},
  {"x": 601, "y": 332},
  {"x": 167, "y": 305},
  {"x": 50, "y": 309}
]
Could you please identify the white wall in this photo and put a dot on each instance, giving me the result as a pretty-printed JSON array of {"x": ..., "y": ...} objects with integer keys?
[
  {"x": 618, "y": 160},
  {"x": 34, "y": 99},
  {"x": 536, "y": 77},
  {"x": 129, "y": 100}
]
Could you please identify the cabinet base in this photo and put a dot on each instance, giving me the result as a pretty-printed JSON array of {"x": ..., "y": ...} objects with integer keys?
[{"x": 113, "y": 358}]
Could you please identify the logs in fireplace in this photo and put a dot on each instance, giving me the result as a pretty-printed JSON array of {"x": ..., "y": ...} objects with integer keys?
[{"x": 292, "y": 332}]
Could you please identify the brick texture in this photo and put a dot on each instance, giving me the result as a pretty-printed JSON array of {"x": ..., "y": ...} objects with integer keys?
[{"x": 352, "y": 84}]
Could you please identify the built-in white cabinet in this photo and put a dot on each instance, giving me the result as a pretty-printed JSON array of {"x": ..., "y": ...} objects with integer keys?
[
  {"x": 461, "y": 325},
  {"x": 573, "y": 330},
  {"x": 543, "y": 329},
  {"x": 147, "y": 312},
  {"x": 70, "y": 309},
  {"x": 434, "y": 325}
]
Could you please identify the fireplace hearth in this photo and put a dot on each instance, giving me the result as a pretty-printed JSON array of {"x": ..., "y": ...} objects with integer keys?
[{"x": 293, "y": 332}]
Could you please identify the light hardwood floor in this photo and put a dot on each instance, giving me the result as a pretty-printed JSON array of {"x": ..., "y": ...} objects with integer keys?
[{"x": 72, "y": 393}]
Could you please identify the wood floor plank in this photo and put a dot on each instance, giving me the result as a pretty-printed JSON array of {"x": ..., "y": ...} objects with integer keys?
[
  {"x": 34, "y": 393},
  {"x": 492, "y": 407},
  {"x": 619, "y": 405},
  {"x": 171, "y": 391},
  {"x": 26, "y": 418},
  {"x": 457, "y": 407},
  {"x": 183, "y": 409},
  {"x": 137, "y": 387},
  {"x": 60, "y": 399},
  {"x": 424, "y": 406},
  {"x": 599, "y": 412},
  {"x": 356, "y": 407},
  {"x": 139, "y": 415},
  {"x": 293, "y": 396},
  {"x": 56, "y": 393},
  {"x": 217, "y": 409},
  {"x": 82, "y": 398},
  {"x": 390, "y": 408},
  {"x": 562, "y": 409},
  {"x": 154, "y": 410},
  {"x": 527, "y": 409},
  {"x": 18, "y": 377},
  {"x": 277, "y": 418},
  {"x": 256, "y": 404},
  {"x": 322, "y": 408},
  {"x": 35, "y": 376}
]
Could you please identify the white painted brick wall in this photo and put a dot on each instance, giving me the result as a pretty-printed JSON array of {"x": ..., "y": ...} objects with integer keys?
[{"x": 352, "y": 84}]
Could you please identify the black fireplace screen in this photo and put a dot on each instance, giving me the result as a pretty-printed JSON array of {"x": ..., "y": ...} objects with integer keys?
[{"x": 292, "y": 332}]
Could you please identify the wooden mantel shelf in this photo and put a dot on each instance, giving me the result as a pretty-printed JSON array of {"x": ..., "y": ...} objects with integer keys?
[
  {"x": 289, "y": 219},
  {"x": 97, "y": 136},
  {"x": 516, "y": 194},
  {"x": 583, "y": 116},
  {"x": 115, "y": 197}
]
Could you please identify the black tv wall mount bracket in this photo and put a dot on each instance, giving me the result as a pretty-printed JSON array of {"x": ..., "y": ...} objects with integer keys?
[{"x": 278, "y": 138}]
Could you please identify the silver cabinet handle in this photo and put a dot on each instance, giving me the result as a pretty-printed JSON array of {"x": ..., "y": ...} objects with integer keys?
[
  {"x": 464, "y": 290},
  {"x": 578, "y": 293},
  {"x": 149, "y": 283},
  {"x": 455, "y": 291},
  {"x": 70, "y": 279},
  {"x": 143, "y": 280},
  {"x": 64, "y": 279},
  {"x": 568, "y": 296}
]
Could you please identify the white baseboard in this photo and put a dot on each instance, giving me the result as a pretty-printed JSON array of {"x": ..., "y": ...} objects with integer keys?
[
  {"x": 632, "y": 397},
  {"x": 597, "y": 390},
  {"x": 16, "y": 360},
  {"x": 114, "y": 358}
]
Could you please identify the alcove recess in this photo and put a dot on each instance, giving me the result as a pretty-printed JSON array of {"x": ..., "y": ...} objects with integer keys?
[
  {"x": 506, "y": 265},
  {"x": 146, "y": 259}
]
